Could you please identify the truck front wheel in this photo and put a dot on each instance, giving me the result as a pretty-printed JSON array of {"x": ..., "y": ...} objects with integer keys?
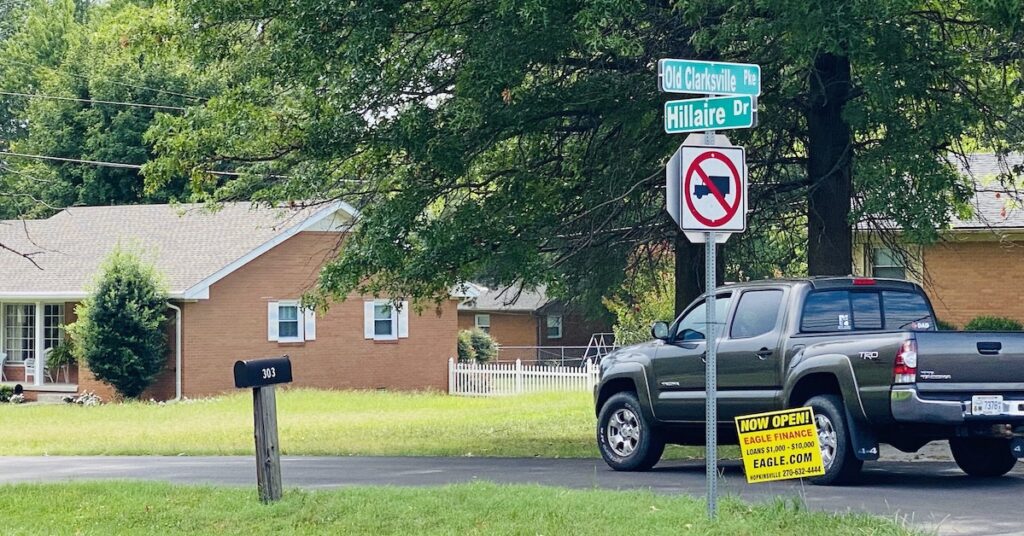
[
  {"x": 984, "y": 457},
  {"x": 841, "y": 464},
  {"x": 627, "y": 441}
]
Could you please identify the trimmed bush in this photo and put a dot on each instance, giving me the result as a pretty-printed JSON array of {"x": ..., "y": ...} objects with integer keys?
[
  {"x": 483, "y": 345},
  {"x": 993, "y": 323},
  {"x": 6, "y": 392},
  {"x": 120, "y": 328},
  {"x": 945, "y": 326},
  {"x": 476, "y": 345}
]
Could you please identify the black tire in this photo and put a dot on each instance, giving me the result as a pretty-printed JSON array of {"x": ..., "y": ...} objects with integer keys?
[
  {"x": 630, "y": 443},
  {"x": 841, "y": 464},
  {"x": 982, "y": 457}
]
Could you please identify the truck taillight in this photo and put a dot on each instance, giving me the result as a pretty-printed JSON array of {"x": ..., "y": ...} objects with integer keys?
[{"x": 905, "y": 368}]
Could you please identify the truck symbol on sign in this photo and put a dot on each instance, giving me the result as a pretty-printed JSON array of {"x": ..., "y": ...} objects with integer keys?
[{"x": 722, "y": 184}]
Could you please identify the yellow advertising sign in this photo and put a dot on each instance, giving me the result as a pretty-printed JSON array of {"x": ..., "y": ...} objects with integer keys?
[{"x": 779, "y": 445}]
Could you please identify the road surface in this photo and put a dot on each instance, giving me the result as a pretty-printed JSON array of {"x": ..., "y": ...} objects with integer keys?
[{"x": 933, "y": 495}]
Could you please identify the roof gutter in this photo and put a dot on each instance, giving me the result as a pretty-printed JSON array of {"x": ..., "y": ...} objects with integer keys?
[{"x": 177, "y": 351}]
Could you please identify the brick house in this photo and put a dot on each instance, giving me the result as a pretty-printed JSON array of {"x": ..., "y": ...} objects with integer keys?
[
  {"x": 234, "y": 278},
  {"x": 529, "y": 325},
  {"x": 974, "y": 270}
]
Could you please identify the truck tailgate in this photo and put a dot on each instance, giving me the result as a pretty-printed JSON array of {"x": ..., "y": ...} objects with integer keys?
[{"x": 986, "y": 361}]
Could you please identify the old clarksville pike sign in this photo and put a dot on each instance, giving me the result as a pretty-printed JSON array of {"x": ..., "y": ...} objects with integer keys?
[{"x": 780, "y": 445}]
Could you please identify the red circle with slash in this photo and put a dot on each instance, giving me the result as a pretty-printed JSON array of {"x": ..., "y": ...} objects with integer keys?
[{"x": 695, "y": 169}]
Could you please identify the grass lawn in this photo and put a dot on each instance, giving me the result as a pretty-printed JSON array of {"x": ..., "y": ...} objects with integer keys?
[
  {"x": 319, "y": 423},
  {"x": 478, "y": 508}
]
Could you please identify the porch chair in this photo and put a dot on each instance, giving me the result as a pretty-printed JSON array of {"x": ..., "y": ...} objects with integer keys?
[
  {"x": 30, "y": 369},
  {"x": 3, "y": 361}
]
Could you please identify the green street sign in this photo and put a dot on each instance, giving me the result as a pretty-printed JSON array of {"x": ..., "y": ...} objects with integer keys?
[
  {"x": 715, "y": 113},
  {"x": 709, "y": 77}
]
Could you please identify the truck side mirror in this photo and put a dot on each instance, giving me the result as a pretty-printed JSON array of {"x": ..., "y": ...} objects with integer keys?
[{"x": 659, "y": 330}]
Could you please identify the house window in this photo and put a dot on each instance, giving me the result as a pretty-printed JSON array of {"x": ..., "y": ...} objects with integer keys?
[
  {"x": 287, "y": 321},
  {"x": 386, "y": 320},
  {"x": 53, "y": 325},
  {"x": 887, "y": 263},
  {"x": 554, "y": 324},
  {"x": 483, "y": 323},
  {"x": 19, "y": 331}
]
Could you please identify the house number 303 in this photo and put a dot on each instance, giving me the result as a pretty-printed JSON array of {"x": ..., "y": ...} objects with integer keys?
[{"x": 269, "y": 373}]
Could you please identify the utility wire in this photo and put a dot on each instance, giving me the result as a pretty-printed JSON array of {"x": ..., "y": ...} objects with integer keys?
[
  {"x": 93, "y": 101},
  {"x": 119, "y": 165},
  {"x": 136, "y": 86}
]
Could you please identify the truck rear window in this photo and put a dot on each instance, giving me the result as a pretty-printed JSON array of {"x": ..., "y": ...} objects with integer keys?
[{"x": 844, "y": 310}]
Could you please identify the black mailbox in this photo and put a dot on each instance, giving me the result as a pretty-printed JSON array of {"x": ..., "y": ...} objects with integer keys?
[{"x": 261, "y": 372}]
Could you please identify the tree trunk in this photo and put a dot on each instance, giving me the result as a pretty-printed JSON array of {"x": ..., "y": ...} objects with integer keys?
[
  {"x": 690, "y": 271},
  {"x": 829, "y": 169}
]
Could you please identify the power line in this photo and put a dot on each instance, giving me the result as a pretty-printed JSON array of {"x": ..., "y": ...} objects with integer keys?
[
  {"x": 92, "y": 101},
  {"x": 136, "y": 86},
  {"x": 119, "y": 165},
  {"x": 122, "y": 165}
]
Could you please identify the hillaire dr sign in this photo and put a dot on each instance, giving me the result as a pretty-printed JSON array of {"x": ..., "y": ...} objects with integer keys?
[
  {"x": 779, "y": 445},
  {"x": 709, "y": 77},
  {"x": 713, "y": 113},
  {"x": 713, "y": 189}
]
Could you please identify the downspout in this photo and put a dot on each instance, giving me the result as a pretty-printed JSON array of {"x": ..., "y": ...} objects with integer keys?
[{"x": 177, "y": 351}]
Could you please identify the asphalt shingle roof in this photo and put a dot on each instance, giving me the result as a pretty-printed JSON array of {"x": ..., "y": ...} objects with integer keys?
[
  {"x": 506, "y": 300},
  {"x": 994, "y": 205},
  {"x": 187, "y": 243}
]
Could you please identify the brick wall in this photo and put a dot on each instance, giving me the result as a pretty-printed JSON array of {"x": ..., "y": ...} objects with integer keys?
[
  {"x": 232, "y": 325},
  {"x": 968, "y": 279},
  {"x": 508, "y": 329}
]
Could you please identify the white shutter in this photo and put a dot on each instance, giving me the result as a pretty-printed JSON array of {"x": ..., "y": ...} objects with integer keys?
[
  {"x": 368, "y": 319},
  {"x": 310, "y": 317},
  {"x": 272, "y": 325},
  {"x": 403, "y": 321}
]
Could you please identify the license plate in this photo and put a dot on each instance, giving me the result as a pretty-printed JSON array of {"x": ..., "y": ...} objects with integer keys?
[{"x": 987, "y": 405}]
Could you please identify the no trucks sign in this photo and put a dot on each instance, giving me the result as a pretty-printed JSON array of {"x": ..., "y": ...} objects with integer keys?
[{"x": 779, "y": 445}]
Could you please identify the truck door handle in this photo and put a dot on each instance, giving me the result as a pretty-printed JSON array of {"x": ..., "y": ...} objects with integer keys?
[
  {"x": 764, "y": 353},
  {"x": 989, "y": 348}
]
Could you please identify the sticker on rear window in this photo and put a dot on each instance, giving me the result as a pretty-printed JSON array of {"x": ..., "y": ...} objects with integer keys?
[
  {"x": 844, "y": 321},
  {"x": 921, "y": 325}
]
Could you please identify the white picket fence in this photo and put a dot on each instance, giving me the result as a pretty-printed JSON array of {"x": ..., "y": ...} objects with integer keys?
[{"x": 502, "y": 379}]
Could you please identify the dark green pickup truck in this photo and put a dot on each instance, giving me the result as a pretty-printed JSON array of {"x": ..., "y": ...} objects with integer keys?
[{"x": 863, "y": 353}]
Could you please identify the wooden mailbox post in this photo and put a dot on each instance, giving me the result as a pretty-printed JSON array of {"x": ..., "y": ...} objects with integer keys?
[{"x": 261, "y": 375}]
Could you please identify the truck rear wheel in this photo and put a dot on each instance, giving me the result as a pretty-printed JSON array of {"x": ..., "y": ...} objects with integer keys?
[
  {"x": 983, "y": 457},
  {"x": 841, "y": 464},
  {"x": 627, "y": 441}
]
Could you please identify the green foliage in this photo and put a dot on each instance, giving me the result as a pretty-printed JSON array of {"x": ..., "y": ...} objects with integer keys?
[
  {"x": 465, "y": 347},
  {"x": 993, "y": 323},
  {"x": 945, "y": 326},
  {"x": 115, "y": 52},
  {"x": 483, "y": 345},
  {"x": 648, "y": 298},
  {"x": 476, "y": 345},
  {"x": 62, "y": 354},
  {"x": 6, "y": 392},
  {"x": 522, "y": 142},
  {"x": 120, "y": 328}
]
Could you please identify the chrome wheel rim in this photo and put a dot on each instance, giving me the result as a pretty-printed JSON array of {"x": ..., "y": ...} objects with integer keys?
[
  {"x": 827, "y": 439},
  {"x": 623, "y": 432}
]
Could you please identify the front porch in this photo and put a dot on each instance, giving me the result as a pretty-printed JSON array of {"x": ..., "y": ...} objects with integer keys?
[{"x": 31, "y": 333}]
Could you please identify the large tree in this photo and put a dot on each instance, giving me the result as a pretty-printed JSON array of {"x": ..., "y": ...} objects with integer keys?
[
  {"x": 84, "y": 82},
  {"x": 521, "y": 141}
]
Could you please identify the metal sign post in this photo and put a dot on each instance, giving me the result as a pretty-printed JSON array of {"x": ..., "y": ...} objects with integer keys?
[{"x": 710, "y": 366}]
